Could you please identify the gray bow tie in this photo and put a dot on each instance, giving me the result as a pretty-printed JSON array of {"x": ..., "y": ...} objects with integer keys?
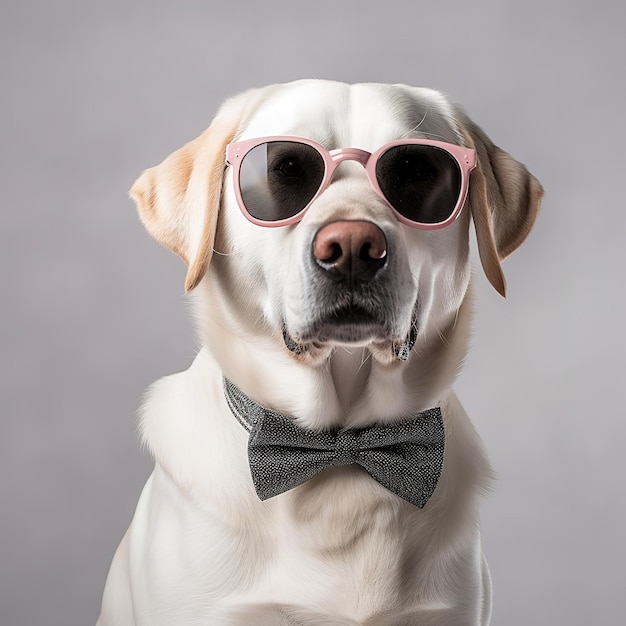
[{"x": 406, "y": 457}]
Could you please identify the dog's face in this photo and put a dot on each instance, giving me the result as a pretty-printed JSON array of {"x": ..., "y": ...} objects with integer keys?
[
  {"x": 349, "y": 273},
  {"x": 423, "y": 274}
]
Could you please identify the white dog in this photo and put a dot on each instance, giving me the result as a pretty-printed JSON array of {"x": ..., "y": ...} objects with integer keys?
[{"x": 326, "y": 231}]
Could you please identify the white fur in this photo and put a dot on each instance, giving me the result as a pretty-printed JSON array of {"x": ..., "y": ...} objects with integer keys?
[{"x": 340, "y": 549}]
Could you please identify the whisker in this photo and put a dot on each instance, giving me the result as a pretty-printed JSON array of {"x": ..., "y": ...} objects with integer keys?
[
  {"x": 412, "y": 130},
  {"x": 233, "y": 253},
  {"x": 456, "y": 319},
  {"x": 365, "y": 356},
  {"x": 427, "y": 135}
]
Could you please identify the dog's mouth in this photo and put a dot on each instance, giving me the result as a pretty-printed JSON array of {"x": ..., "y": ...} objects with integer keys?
[
  {"x": 346, "y": 323},
  {"x": 352, "y": 325}
]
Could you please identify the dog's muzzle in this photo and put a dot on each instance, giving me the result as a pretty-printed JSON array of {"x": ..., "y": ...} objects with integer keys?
[{"x": 353, "y": 298}]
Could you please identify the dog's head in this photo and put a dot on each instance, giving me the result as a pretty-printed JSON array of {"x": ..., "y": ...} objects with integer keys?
[{"x": 349, "y": 272}]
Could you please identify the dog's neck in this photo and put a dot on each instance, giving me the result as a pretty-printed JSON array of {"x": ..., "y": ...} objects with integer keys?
[
  {"x": 348, "y": 389},
  {"x": 350, "y": 370}
]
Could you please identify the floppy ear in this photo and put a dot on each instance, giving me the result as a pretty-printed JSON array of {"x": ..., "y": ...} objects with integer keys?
[
  {"x": 179, "y": 199},
  {"x": 504, "y": 200}
]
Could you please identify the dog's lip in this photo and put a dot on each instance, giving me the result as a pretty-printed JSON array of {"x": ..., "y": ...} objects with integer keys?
[
  {"x": 345, "y": 333},
  {"x": 350, "y": 314},
  {"x": 347, "y": 323}
]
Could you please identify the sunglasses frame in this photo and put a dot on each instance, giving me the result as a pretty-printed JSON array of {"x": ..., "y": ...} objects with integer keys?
[{"x": 464, "y": 157}]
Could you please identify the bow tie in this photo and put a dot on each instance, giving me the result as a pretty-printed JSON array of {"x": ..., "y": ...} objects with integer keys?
[{"x": 406, "y": 457}]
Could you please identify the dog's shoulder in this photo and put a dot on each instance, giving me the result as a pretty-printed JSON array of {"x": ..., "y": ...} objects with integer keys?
[
  {"x": 183, "y": 426},
  {"x": 467, "y": 472}
]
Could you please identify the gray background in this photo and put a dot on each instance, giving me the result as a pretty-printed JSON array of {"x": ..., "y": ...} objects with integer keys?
[{"x": 92, "y": 309}]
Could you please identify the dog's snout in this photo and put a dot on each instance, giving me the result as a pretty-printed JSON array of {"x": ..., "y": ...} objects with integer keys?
[{"x": 350, "y": 250}]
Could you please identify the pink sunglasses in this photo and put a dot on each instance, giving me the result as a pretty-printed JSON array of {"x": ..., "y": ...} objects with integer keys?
[{"x": 424, "y": 182}]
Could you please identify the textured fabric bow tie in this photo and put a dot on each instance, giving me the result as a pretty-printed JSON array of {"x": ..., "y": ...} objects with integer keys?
[{"x": 406, "y": 457}]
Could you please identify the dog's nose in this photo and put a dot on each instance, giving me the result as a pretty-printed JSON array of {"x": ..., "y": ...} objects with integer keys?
[{"x": 350, "y": 250}]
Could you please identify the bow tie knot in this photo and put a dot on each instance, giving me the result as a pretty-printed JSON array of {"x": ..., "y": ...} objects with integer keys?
[
  {"x": 406, "y": 458},
  {"x": 346, "y": 448}
]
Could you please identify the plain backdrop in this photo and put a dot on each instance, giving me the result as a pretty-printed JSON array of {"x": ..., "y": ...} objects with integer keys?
[{"x": 92, "y": 310}]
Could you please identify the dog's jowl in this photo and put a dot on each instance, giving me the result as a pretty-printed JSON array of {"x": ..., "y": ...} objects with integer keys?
[{"x": 313, "y": 465}]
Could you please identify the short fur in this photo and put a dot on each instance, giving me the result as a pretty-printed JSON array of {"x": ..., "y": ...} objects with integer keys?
[{"x": 340, "y": 549}]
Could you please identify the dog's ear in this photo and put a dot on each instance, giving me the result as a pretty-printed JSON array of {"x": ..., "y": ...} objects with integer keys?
[
  {"x": 179, "y": 199},
  {"x": 504, "y": 199}
]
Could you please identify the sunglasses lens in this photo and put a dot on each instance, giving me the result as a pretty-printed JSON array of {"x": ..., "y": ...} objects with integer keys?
[
  {"x": 278, "y": 179},
  {"x": 423, "y": 183}
]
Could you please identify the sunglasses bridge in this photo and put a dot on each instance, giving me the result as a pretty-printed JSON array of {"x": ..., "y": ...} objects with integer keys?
[{"x": 340, "y": 155}]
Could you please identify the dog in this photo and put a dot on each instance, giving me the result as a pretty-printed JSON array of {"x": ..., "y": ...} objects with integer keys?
[{"x": 325, "y": 228}]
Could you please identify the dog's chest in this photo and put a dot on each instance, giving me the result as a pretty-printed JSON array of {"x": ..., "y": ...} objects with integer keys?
[
  {"x": 339, "y": 542},
  {"x": 341, "y": 533}
]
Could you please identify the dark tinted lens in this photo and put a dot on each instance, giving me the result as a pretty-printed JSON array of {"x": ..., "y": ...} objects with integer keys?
[
  {"x": 279, "y": 178},
  {"x": 422, "y": 183}
]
